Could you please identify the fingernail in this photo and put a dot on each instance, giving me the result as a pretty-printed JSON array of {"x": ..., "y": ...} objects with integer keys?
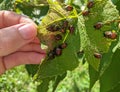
[{"x": 28, "y": 31}]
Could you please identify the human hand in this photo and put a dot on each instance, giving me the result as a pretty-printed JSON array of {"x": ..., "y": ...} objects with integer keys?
[{"x": 18, "y": 42}]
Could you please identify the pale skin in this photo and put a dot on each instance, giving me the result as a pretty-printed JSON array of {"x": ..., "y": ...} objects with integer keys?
[{"x": 18, "y": 42}]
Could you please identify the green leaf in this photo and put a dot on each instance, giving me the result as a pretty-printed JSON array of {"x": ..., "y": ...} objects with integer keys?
[
  {"x": 111, "y": 78},
  {"x": 69, "y": 59},
  {"x": 56, "y": 13},
  {"x": 93, "y": 74},
  {"x": 116, "y": 88},
  {"x": 58, "y": 79},
  {"x": 93, "y": 40},
  {"x": 105, "y": 62},
  {"x": 44, "y": 86},
  {"x": 32, "y": 69},
  {"x": 107, "y": 58}
]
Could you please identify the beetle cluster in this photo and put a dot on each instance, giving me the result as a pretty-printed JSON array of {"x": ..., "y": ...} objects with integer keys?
[
  {"x": 57, "y": 51},
  {"x": 61, "y": 29}
]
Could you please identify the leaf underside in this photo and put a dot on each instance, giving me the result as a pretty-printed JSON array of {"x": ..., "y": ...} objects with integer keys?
[{"x": 68, "y": 60}]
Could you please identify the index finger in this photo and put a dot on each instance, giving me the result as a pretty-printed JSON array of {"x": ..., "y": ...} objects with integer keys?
[{"x": 9, "y": 18}]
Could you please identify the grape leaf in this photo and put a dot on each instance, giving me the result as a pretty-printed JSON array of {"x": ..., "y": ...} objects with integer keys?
[
  {"x": 68, "y": 60},
  {"x": 93, "y": 40},
  {"x": 56, "y": 13},
  {"x": 105, "y": 62}
]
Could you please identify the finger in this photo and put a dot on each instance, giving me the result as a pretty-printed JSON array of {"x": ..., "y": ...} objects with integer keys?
[
  {"x": 32, "y": 47},
  {"x": 14, "y": 37},
  {"x": 2, "y": 67},
  {"x": 36, "y": 40},
  {"x": 9, "y": 18},
  {"x": 20, "y": 58}
]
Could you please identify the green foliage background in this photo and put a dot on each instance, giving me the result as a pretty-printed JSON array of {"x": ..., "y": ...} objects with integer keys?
[{"x": 83, "y": 76}]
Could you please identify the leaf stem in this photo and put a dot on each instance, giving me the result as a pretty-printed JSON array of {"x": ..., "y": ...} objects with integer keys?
[{"x": 66, "y": 36}]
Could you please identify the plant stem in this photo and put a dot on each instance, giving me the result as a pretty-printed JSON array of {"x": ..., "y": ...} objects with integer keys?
[{"x": 66, "y": 36}]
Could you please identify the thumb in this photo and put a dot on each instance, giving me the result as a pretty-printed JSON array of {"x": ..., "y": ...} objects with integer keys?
[{"x": 14, "y": 37}]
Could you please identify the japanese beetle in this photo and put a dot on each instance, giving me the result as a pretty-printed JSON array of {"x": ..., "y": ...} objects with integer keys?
[
  {"x": 63, "y": 45},
  {"x": 72, "y": 29},
  {"x": 63, "y": 30},
  {"x": 97, "y": 55},
  {"x": 53, "y": 28},
  {"x": 65, "y": 24},
  {"x": 98, "y": 25},
  {"x": 90, "y": 4},
  {"x": 69, "y": 8},
  {"x": 58, "y": 51},
  {"x": 51, "y": 55},
  {"x": 110, "y": 35},
  {"x": 85, "y": 13},
  {"x": 58, "y": 37}
]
